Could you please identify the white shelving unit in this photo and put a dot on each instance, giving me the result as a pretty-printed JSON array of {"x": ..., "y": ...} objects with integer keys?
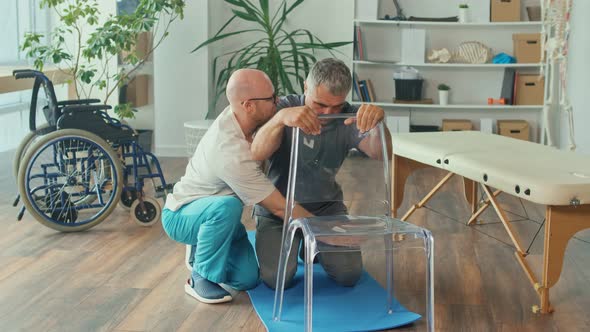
[
  {"x": 481, "y": 107},
  {"x": 449, "y": 65},
  {"x": 450, "y": 24},
  {"x": 471, "y": 84}
]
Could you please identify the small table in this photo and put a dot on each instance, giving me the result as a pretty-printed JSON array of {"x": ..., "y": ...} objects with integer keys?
[{"x": 537, "y": 173}]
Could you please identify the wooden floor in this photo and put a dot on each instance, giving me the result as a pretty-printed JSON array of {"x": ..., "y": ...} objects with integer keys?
[{"x": 122, "y": 277}]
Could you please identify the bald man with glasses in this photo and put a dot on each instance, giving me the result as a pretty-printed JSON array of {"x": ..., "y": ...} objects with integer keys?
[{"x": 205, "y": 208}]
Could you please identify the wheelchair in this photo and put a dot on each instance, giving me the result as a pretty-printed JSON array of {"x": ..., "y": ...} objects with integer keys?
[{"x": 74, "y": 170}]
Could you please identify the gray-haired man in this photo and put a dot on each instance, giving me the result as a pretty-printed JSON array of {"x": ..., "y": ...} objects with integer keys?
[{"x": 326, "y": 88}]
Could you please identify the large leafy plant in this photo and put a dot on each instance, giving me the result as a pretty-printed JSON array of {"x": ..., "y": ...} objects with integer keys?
[
  {"x": 286, "y": 56},
  {"x": 96, "y": 41}
]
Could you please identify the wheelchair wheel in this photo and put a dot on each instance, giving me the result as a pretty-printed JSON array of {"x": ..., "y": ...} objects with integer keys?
[
  {"x": 70, "y": 180},
  {"x": 146, "y": 214},
  {"x": 128, "y": 197},
  {"x": 27, "y": 141}
]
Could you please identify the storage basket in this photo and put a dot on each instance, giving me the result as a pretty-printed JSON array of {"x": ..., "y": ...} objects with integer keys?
[
  {"x": 194, "y": 131},
  {"x": 408, "y": 89}
]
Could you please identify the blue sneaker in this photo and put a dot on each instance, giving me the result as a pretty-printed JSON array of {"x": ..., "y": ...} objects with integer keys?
[{"x": 206, "y": 291}]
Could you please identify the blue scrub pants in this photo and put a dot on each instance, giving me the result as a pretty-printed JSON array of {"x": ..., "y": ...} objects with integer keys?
[{"x": 213, "y": 224}]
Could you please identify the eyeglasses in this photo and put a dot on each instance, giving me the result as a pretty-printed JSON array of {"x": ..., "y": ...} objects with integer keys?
[{"x": 272, "y": 98}]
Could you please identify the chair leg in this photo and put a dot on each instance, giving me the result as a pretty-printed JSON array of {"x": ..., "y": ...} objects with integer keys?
[
  {"x": 281, "y": 272},
  {"x": 429, "y": 253},
  {"x": 308, "y": 295},
  {"x": 389, "y": 271}
]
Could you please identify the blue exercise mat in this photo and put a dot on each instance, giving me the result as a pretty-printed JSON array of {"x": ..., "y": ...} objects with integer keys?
[{"x": 335, "y": 308}]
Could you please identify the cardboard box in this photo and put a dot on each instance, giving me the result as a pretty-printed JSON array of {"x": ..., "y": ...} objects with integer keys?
[
  {"x": 518, "y": 129},
  {"x": 504, "y": 10},
  {"x": 527, "y": 47},
  {"x": 137, "y": 91},
  {"x": 530, "y": 90},
  {"x": 456, "y": 125}
]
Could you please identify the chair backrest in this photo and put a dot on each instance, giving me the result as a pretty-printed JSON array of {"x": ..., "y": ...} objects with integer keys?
[
  {"x": 329, "y": 174},
  {"x": 51, "y": 110}
]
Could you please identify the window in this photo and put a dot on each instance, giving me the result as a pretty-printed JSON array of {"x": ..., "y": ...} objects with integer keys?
[{"x": 19, "y": 17}]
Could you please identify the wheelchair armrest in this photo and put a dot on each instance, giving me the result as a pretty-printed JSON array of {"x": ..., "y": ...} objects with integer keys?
[
  {"x": 86, "y": 108},
  {"x": 78, "y": 102}
]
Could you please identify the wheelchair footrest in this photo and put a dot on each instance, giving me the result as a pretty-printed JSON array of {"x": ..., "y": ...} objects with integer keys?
[{"x": 162, "y": 191}]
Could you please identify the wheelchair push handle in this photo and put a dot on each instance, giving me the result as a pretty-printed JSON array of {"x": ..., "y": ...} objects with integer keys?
[{"x": 25, "y": 73}]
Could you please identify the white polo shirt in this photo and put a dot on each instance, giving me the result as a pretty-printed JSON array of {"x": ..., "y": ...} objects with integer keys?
[{"x": 222, "y": 166}]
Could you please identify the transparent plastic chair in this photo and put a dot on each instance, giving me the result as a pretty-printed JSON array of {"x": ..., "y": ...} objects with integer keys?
[{"x": 342, "y": 177}]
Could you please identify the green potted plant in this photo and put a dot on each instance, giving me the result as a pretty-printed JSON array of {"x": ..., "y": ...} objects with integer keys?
[
  {"x": 286, "y": 56},
  {"x": 463, "y": 13},
  {"x": 443, "y": 94},
  {"x": 97, "y": 41}
]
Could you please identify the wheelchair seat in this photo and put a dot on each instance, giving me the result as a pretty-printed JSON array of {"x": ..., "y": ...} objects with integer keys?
[{"x": 94, "y": 121}]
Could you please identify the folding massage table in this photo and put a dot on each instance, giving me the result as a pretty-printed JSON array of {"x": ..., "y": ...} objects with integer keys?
[{"x": 537, "y": 173}]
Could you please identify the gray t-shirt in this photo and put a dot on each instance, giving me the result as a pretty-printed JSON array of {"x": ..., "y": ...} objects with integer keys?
[{"x": 320, "y": 159}]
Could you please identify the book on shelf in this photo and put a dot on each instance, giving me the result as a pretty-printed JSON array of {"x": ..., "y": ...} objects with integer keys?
[
  {"x": 355, "y": 88},
  {"x": 364, "y": 91},
  {"x": 371, "y": 91},
  {"x": 358, "y": 43},
  {"x": 508, "y": 86}
]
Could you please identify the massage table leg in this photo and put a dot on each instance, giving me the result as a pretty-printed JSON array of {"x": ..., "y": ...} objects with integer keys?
[
  {"x": 428, "y": 196},
  {"x": 562, "y": 223},
  {"x": 483, "y": 207}
]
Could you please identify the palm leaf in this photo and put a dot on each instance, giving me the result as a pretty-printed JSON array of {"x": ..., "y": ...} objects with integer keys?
[{"x": 216, "y": 38}]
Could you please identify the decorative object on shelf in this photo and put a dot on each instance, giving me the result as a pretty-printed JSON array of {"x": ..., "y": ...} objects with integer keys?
[
  {"x": 89, "y": 58},
  {"x": 503, "y": 58},
  {"x": 285, "y": 56},
  {"x": 443, "y": 94},
  {"x": 441, "y": 55},
  {"x": 554, "y": 47},
  {"x": 500, "y": 101},
  {"x": 400, "y": 13},
  {"x": 463, "y": 13},
  {"x": 473, "y": 52}
]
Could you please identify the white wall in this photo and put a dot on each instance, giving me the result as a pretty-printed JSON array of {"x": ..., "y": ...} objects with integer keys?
[
  {"x": 579, "y": 74},
  {"x": 181, "y": 81}
]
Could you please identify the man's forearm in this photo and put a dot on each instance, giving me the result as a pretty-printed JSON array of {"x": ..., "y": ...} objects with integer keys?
[
  {"x": 275, "y": 203},
  {"x": 268, "y": 139}
]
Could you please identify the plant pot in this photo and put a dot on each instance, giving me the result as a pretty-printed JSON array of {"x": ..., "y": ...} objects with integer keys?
[
  {"x": 463, "y": 15},
  {"x": 443, "y": 97}
]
